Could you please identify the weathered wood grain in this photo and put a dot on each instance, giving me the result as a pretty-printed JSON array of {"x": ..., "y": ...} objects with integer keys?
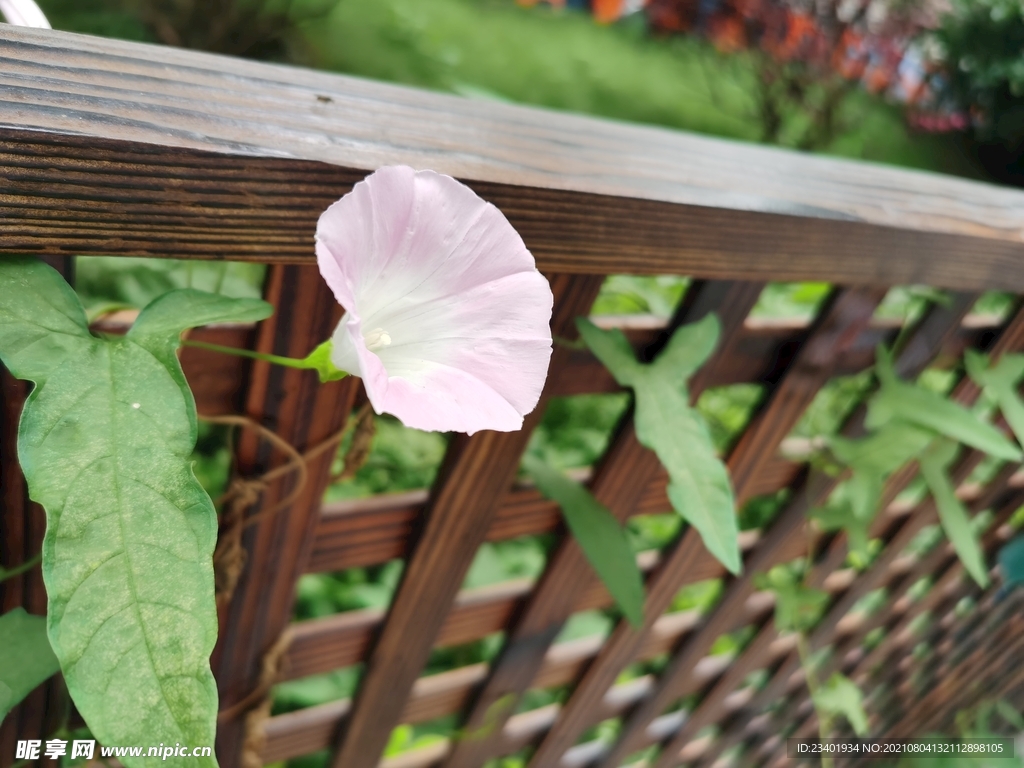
[
  {"x": 112, "y": 147},
  {"x": 371, "y": 531},
  {"x": 116, "y": 147},
  {"x": 441, "y": 694}
]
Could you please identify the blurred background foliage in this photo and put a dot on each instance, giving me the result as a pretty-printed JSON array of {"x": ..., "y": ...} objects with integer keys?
[
  {"x": 563, "y": 58},
  {"x": 983, "y": 43}
]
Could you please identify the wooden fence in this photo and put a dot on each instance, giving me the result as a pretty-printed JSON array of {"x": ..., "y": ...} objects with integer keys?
[{"x": 115, "y": 148}]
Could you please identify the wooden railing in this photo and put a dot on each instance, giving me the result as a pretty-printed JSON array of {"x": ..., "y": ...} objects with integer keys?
[{"x": 109, "y": 147}]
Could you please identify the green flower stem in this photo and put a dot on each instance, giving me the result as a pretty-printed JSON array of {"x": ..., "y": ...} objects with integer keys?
[
  {"x": 561, "y": 341},
  {"x": 319, "y": 359},
  {"x": 289, "y": 362},
  {"x": 813, "y": 685},
  {"x": 20, "y": 569}
]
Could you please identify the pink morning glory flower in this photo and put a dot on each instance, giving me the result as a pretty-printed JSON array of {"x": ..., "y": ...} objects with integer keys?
[
  {"x": 23, "y": 13},
  {"x": 447, "y": 319}
]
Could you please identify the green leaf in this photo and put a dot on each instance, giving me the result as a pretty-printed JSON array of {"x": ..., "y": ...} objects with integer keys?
[
  {"x": 599, "y": 535},
  {"x": 26, "y": 659},
  {"x": 872, "y": 459},
  {"x": 690, "y": 346},
  {"x": 699, "y": 486},
  {"x": 797, "y": 606},
  {"x": 841, "y": 515},
  {"x": 840, "y": 696},
  {"x": 41, "y": 321},
  {"x": 162, "y": 321},
  {"x": 883, "y": 451},
  {"x": 104, "y": 441},
  {"x": 1001, "y": 382},
  {"x": 612, "y": 349},
  {"x": 897, "y": 400},
  {"x": 494, "y": 718},
  {"x": 864, "y": 490},
  {"x": 798, "y": 609},
  {"x": 952, "y": 513},
  {"x": 1011, "y": 562},
  {"x": 1007, "y": 711}
]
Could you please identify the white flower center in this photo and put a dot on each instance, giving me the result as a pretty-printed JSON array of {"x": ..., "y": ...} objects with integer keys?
[{"x": 376, "y": 339}]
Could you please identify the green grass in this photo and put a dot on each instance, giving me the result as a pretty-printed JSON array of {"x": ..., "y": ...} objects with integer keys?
[
  {"x": 498, "y": 50},
  {"x": 494, "y": 49}
]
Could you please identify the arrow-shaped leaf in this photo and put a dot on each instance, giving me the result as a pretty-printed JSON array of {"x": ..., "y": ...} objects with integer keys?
[
  {"x": 699, "y": 487},
  {"x": 599, "y": 535},
  {"x": 104, "y": 442},
  {"x": 898, "y": 400},
  {"x": 1001, "y": 381},
  {"x": 952, "y": 513},
  {"x": 883, "y": 451}
]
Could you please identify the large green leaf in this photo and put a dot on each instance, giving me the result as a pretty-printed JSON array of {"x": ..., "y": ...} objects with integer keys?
[
  {"x": 699, "y": 487},
  {"x": 104, "y": 442},
  {"x": 952, "y": 513},
  {"x": 599, "y": 534},
  {"x": 898, "y": 400},
  {"x": 840, "y": 696},
  {"x": 26, "y": 659},
  {"x": 1001, "y": 381}
]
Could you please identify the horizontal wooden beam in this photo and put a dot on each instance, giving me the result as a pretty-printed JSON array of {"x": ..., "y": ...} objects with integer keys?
[
  {"x": 300, "y": 732},
  {"x": 123, "y": 148},
  {"x": 446, "y": 692},
  {"x": 361, "y": 532},
  {"x": 341, "y": 640}
]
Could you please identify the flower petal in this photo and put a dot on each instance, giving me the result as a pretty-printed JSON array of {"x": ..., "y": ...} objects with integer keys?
[{"x": 498, "y": 331}]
